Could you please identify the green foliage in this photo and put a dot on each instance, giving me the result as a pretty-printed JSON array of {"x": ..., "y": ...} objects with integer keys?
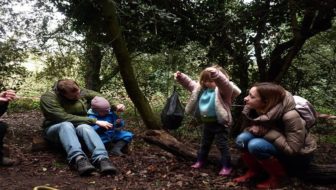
[
  {"x": 11, "y": 72},
  {"x": 240, "y": 36},
  {"x": 313, "y": 72},
  {"x": 167, "y": 36},
  {"x": 33, "y": 87},
  {"x": 325, "y": 130},
  {"x": 328, "y": 139},
  {"x": 154, "y": 73},
  {"x": 19, "y": 24},
  {"x": 62, "y": 66},
  {"x": 24, "y": 104}
]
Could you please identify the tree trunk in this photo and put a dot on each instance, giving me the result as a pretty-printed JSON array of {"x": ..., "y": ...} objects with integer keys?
[
  {"x": 318, "y": 16},
  {"x": 169, "y": 143},
  {"x": 318, "y": 173},
  {"x": 315, "y": 173},
  {"x": 126, "y": 70},
  {"x": 93, "y": 60}
]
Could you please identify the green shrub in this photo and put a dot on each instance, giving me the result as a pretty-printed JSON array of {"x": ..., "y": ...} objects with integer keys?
[
  {"x": 24, "y": 104},
  {"x": 328, "y": 139}
]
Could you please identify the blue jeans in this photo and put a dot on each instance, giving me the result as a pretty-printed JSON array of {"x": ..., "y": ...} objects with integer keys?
[
  {"x": 256, "y": 146},
  {"x": 69, "y": 136}
]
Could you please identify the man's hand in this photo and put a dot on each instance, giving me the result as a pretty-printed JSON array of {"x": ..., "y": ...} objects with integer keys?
[
  {"x": 7, "y": 96},
  {"x": 104, "y": 124}
]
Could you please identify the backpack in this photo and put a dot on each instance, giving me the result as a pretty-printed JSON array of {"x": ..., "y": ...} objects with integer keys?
[
  {"x": 173, "y": 112},
  {"x": 306, "y": 111}
]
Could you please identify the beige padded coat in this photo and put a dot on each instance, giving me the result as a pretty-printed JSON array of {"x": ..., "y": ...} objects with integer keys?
[{"x": 287, "y": 129}]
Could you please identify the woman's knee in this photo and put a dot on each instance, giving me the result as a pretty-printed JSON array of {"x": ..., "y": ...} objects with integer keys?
[
  {"x": 243, "y": 138},
  {"x": 260, "y": 148},
  {"x": 255, "y": 145}
]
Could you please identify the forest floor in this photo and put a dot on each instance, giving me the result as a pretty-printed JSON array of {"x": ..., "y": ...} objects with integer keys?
[{"x": 144, "y": 167}]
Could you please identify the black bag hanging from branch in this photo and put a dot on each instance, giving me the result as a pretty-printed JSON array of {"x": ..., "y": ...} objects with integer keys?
[{"x": 173, "y": 112}]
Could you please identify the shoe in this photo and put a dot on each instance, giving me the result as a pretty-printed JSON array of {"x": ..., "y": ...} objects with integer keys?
[
  {"x": 116, "y": 150},
  {"x": 106, "y": 166},
  {"x": 83, "y": 166},
  {"x": 225, "y": 171},
  {"x": 197, "y": 165},
  {"x": 5, "y": 161}
]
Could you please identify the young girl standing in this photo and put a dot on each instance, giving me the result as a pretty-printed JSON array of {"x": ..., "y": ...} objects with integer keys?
[{"x": 210, "y": 101}]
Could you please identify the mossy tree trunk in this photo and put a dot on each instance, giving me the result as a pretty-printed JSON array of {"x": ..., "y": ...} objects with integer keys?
[
  {"x": 93, "y": 59},
  {"x": 126, "y": 70}
]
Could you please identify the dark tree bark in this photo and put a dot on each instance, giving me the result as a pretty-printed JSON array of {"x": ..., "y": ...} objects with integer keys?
[
  {"x": 169, "y": 143},
  {"x": 126, "y": 70},
  {"x": 318, "y": 173},
  {"x": 318, "y": 16},
  {"x": 93, "y": 60}
]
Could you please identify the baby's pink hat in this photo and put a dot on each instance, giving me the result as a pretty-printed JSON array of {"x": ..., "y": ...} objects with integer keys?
[{"x": 100, "y": 103}]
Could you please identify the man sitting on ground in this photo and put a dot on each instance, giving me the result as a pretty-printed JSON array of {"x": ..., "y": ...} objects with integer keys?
[{"x": 65, "y": 110}]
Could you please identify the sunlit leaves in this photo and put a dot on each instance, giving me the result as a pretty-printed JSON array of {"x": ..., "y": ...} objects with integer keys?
[{"x": 11, "y": 72}]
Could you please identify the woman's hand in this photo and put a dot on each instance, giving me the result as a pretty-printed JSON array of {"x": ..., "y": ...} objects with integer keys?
[
  {"x": 104, "y": 124},
  {"x": 258, "y": 130}
]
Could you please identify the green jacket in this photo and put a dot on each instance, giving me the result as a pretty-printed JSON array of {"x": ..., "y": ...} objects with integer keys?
[{"x": 57, "y": 109}]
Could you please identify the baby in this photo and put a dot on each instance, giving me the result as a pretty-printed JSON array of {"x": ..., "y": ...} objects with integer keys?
[{"x": 101, "y": 110}]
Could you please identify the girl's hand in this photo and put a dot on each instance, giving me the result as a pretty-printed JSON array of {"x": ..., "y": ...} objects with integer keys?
[
  {"x": 211, "y": 69},
  {"x": 213, "y": 72},
  {"x": 177, "y": 74}
]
